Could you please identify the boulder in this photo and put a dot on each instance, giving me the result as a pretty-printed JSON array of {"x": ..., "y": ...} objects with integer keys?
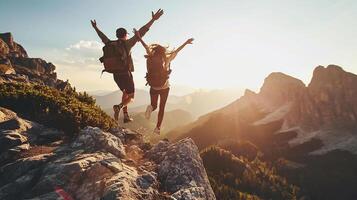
[
  {"x": 181, "y": 171},
  {"x": 20, "y": 167},
  {"x": 81, "y": 174},
  {"x": 6, "y": 114},
  {"x": 15, "y": 189},
  {"x": 10, "y": 139},
  {"x": 128, "y": 184},
  {"x": 48, "y": 196},
  {"x": 93, "y": 138},
  {"x": 157, "y": 152}
]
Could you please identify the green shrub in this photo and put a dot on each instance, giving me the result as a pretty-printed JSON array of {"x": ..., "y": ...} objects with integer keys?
[{"x": 67, "y": 111}]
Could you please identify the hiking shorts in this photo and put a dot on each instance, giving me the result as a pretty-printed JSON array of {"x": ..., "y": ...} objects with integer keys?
[{"x": 125, "y": 81}]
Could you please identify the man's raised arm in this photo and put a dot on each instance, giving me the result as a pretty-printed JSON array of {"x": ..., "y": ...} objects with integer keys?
[
  {"x": 102, "y": 36},
  {"x": 154, "y": 16}
]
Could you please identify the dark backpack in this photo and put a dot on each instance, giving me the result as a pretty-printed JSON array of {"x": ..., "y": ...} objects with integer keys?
[
  {"x": 115, "y": 57},
  {"x": 156, "y": 75}
]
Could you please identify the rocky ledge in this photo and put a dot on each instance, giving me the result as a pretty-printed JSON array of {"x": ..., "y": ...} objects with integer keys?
[
  {"x": 17, "y": 66},
  {"x": 37, "y": 162}
]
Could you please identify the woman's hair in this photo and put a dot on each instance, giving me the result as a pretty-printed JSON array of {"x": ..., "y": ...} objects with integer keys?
[{"x": 159, "y": 50}]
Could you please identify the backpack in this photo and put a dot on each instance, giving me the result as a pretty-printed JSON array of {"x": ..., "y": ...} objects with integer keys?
[
  {"x": 115, "y": 57},
  {"x": 156, "y": 75}
]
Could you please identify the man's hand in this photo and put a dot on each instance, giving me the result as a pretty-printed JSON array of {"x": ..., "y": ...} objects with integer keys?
[
  {"x": 189, "y": 41},
  {"x": 157, "y": 15},
  {"x": 94, "y": 23}
]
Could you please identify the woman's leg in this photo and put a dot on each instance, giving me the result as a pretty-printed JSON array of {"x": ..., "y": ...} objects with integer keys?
[
  {"x": 163, "y": 98},
  {"x": 154, "y": 96}
]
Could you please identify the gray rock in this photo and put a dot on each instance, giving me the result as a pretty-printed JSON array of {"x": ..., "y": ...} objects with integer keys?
[
  {"x": 197, "y": 193},
  {"x": 118, "y": 132},
  {"x": 11, "y": 124},
  {"x": 158, "y": 152},
  {"x": 146, "y": 180},
  {"x": 95, "y": 138},
  {"x": 15, "y": 189},
  {"x": 48, "y": 196},
  {"x": 10, "y": 139},
  {"x": 6, "y": 114},
  {"x": 80, "y": 174},
  {"x": 182, "y": 168},
  {"x": 20, "y": 167},
  {"x": 128, "y": 184},
  {"x": 95, "y": 165}
]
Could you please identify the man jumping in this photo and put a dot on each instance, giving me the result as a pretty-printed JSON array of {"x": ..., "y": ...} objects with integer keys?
[{"x": 124, "y": 78}]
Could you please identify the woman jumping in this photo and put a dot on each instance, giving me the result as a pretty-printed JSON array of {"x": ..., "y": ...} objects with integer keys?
[{"x": 158, "y": 66}]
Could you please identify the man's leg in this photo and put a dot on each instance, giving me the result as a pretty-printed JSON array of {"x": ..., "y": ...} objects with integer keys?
[
  {"x": 126, "y": 100},
  {"x": 122, "y": 105},
  {"x": 123, "y": 98}
]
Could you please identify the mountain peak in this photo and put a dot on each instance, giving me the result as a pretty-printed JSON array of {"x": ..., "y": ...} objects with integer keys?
[
  {"x": 280, "y": 88},
  {"x": 279, "y": 78},
  {"x": 330, "y": 76},
  {"x": 248, "y": 92},
  {"x": 16, "y": 66},
  {"x": 15, "y": 50}
]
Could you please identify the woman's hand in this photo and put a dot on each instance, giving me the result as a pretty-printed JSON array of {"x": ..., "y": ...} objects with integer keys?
[
  {"x": 137, "y": 33},
  {"x": 189, "y": 41}
]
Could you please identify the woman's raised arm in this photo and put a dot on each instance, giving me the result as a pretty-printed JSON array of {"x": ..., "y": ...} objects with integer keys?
[
  {"x": 173, "y": 55},
  {"x": 137, "y": 33}
]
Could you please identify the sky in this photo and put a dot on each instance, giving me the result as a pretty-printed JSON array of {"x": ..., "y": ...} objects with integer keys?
[{"x": 237, "y": 43}]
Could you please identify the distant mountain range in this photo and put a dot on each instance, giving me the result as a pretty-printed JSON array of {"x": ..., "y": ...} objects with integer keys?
[
  {"x": 314, "y": 127},
  {"x": 186, "y": 108},
  {"x": 172, "y": 120},
  {"x": 326, "y": 107},
  {"x": 197, "y": 103}
]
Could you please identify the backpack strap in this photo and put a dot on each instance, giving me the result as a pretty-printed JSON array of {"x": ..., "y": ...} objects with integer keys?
[
  {"x": 169, "y": 68},
  {"x": 125, "y": 49},
  {"x": 102, "y": 73}
]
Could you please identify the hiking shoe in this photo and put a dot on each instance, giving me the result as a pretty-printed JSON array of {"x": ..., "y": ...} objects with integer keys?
[
  {"x": 116, "y": 109},
  {"x": 157, "y": 130},
  {"x": 148, "y": 112},
  {"x": 127, "y": 118}
]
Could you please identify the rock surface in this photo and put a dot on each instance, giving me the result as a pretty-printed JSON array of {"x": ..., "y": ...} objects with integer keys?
[
  {"x": 95, "y": 165},
  {"x": 13, "y": 49},
  {"x": 181, "y": 171},
  {"x": 17, "y": 66}
]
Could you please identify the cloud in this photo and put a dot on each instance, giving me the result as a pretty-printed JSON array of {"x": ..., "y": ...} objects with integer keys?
[
  {"x": 85, "y": 49},
  {"x": 85, "y": 45},
  {"x": 84, "y": 54}
]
